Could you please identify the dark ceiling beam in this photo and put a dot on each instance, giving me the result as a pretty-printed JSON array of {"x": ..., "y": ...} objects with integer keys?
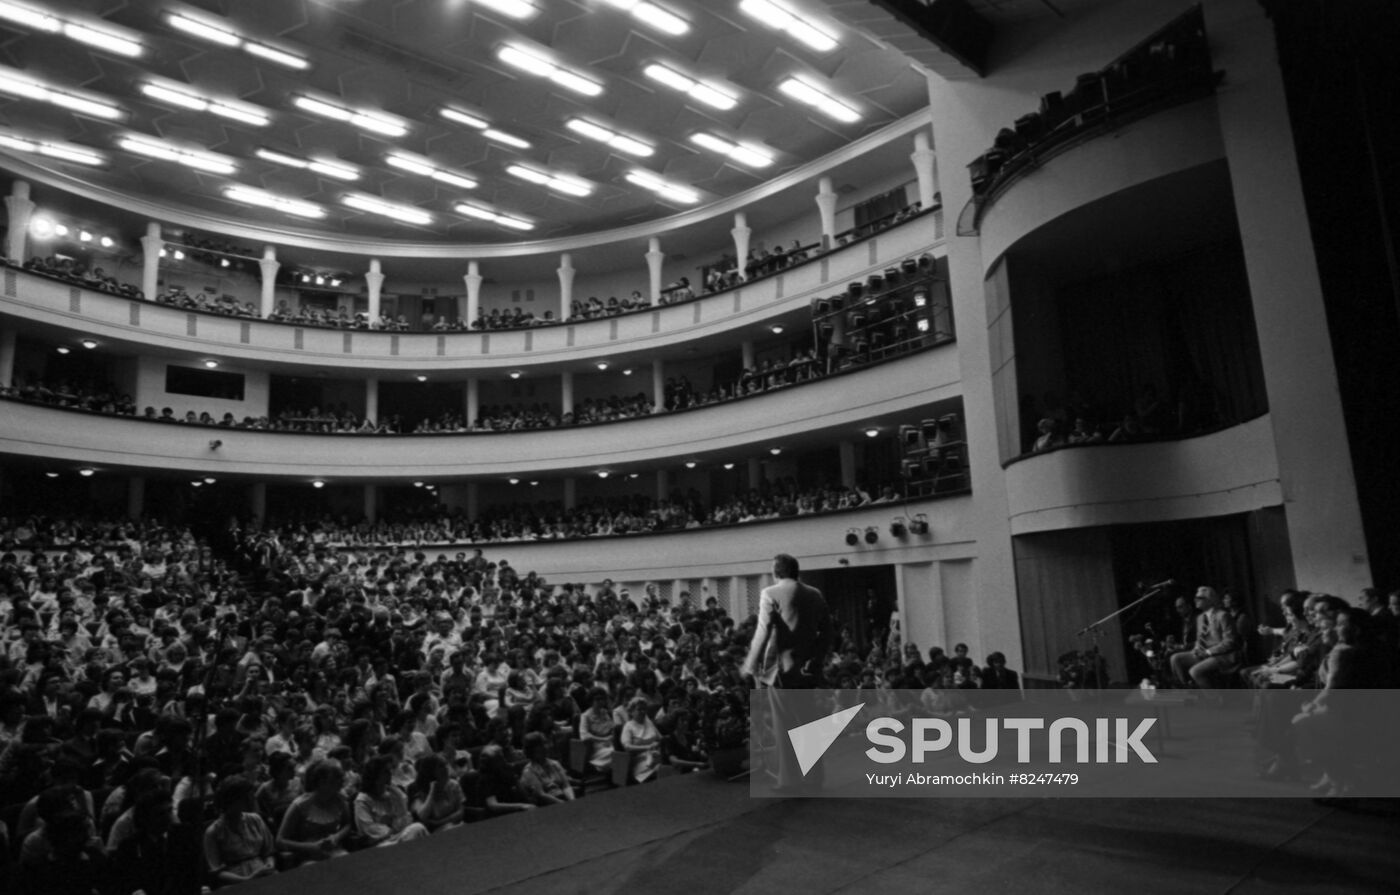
[{"x": 951, "y": 25}]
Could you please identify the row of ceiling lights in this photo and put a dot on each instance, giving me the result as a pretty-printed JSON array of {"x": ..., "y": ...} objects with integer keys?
[{"x": 772, "y": 12}]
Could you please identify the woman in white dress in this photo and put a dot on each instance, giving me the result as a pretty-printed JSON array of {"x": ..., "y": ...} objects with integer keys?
[{"x": 641, "y": 738}]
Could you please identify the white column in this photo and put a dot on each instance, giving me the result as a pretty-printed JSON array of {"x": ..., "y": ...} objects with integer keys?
[
  {"x": 755, "y": 472},
  {"x": 135, "y": 497},
  {"x": 566, "y": 284},
  {"x": 371, "y": 502},
  {"x": 374, "y": 279},
  {"x": 372, "y": 399},
  {"x": 658, "y": 386},
  {"x": 566, "y": 393},
  {"x": 924, "y": 170},
  {"x": 826, "y": 207},
  {"x": 7, "y": 357},
  {"x": 746, "y": 347},
  {"x": 473, "y": 400},
  {"x": 151, "y": 244},
  {"x": 654, "y": 258},
  {"x": 269, "y": 266},
  {"x": 570, "y": 493},
  {"x": 663, "y": 484},
  {"x": 21, "y": 211},
  {"x": 848, "y": 464},
  {"x": 257, "y": 500},
  {"x": 741, "y": 234},
  {"x": 1310, "y": 435},
  {"x": 473, "y": 280}
]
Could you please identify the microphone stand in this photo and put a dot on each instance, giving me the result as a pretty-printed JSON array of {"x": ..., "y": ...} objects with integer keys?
[{"x": 1094, "y": 630}]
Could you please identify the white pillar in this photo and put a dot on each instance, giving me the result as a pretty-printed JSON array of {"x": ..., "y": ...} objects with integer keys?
[
  {"x": 21, "y": 211},
  {"x": 741, "y": 234},
  {"x": 570, "y": 493},
  {"x": 135, "y": 497},
  {"x": 473, "y": 280},
  {"x": 658, "y": 386},
  {"x": 566, "y": 393},
  {"x": 372, "y": 399},
  {"x": 826, "y": 207},
  {"x": 848, "y": 464},
  {"x": 663, "y": 484},
  {"x": 269, "y": 266},
  {"x": 566, "y": 284},
  {"x": 755, "y": 473},
  {"x": 375, "y": 280},
  {"x": 151, "y": 244},
  {"x": 371, "y": 502},
  {"x": 257, "y": 500},
  {"x": 7, "y": 357},
  {"x": 654, "y": 258},
  {"x": 924, "y": 170},
  {"x": 1319, "y": 488},
  {"x": 746, "y": 347},
  {"x": 473, "y": 400}
]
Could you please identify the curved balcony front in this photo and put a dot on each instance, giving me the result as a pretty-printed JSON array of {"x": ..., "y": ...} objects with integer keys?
[
  {"x": 1234, "y": 470},
  {"x": 833, "y": 409},
  {"x": 1171, "y": 141},
  {"x": 718, "y": 316}
]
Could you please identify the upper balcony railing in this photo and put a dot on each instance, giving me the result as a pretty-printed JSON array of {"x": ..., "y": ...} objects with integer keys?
[{"x": 653, "y": 329}]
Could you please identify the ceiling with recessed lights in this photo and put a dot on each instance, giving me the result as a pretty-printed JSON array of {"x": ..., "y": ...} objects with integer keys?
[{"x": 461, "y": 121}]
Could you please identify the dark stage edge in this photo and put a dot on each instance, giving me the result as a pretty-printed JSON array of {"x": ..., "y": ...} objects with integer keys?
[{"x": 699, "y": 835}]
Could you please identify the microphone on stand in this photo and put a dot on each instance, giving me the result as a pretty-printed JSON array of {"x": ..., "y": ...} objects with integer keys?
[{"x": 1161, "y": 584}]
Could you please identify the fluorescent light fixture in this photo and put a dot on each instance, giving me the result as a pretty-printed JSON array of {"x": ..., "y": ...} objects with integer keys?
[
  {"x": 619, "y": 141},
  {"x": 94, "y": 33},
  {"x": 472, "y": 120},
  {"x": 404, "y": 213},
  {"x": 797, "y": 23},
  {"x": 204, "y": 29},
  {"x": 743, "y": 153},
  {"x": 66, "y": 152},
  {"x": 662, "y": 187},
  {"x": 365, "y": 119},
  {"x": 532, "y": 62},
  {"x": 102, "y": 38},
  {"x": 418, "y": 165},
  {"x": 272, "y": 54},
  {"x": 263, "y": 198},
  {"x": 20, "y": 84},
  {"x": 560, "y": 183},
  {"x": 329, "y": 167},
  {"x": 803, "y": 90},
  {"x": 483, "y": 213},
  {"x": 516, "y": 9},
  {"x": 649, "y": 13},
  {"x": 189, "y": 98},
  {"x": 190, "y": 158},
  {"x": 707, "y": 92}
]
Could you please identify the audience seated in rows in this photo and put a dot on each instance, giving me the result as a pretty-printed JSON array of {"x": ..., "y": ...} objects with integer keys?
[{"x": 71, "y": 270}]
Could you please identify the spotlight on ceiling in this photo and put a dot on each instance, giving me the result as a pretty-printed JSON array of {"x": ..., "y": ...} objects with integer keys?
[
  {"x": 872, "y": 432},
  {"x": 211, "y": 364},
  {"x": 52, "y": 475},
  {"x": 729, "y": 466},
  {"x": 514, "y": 374},
  {"x": 775, "y": 451},
  {"x": 602, "y": 365},
  {"x": 209, "y": 480},
  {"x": 872, "y": 534},
  {"x": 89, "y": 344},
  {"x": 690, "y": 464},
  {"x": 514, "y": 481},
  {"x": 777, "y": 329},
  {"x": 602, "y": 473},
  {"x": 534, "y": 483},
  {"x": 86, "y": 471},
  {"x": 318, "y": 484},
  {"x": 62, "y": 349},
  {"x": 417, "y": 484},
  {"x": 852, "y": 537},
  {"x": 421, "y": 378}
]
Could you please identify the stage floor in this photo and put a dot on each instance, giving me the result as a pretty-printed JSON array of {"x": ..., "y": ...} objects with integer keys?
[{"x": 699, "y": 835}]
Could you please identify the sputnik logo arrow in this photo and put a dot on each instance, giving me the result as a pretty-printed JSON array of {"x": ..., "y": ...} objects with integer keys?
[{"x": 811, "y": 740}]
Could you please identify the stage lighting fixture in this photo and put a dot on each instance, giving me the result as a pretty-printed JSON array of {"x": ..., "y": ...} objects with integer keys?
[
  {"x": 872, "y": 534},
  {"x": 919, "y": 524},
  {"x": 852, "y": 537},
  {"x": 897, "y": 527}
]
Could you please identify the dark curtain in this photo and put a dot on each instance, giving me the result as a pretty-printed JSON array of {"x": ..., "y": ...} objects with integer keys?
[
  {"x": 1064, "y": 580},
  {"x": 1183, "y": 325}
]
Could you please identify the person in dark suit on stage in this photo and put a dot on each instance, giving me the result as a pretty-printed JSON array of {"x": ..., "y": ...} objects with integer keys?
[{"x": 787, "y": 653}]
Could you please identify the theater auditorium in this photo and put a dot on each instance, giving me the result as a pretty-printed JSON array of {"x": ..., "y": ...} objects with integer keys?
[{"x": 402, "y": 405}]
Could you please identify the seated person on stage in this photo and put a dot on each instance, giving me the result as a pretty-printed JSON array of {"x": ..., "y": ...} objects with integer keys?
[{"x": 1216, "y": 653}]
